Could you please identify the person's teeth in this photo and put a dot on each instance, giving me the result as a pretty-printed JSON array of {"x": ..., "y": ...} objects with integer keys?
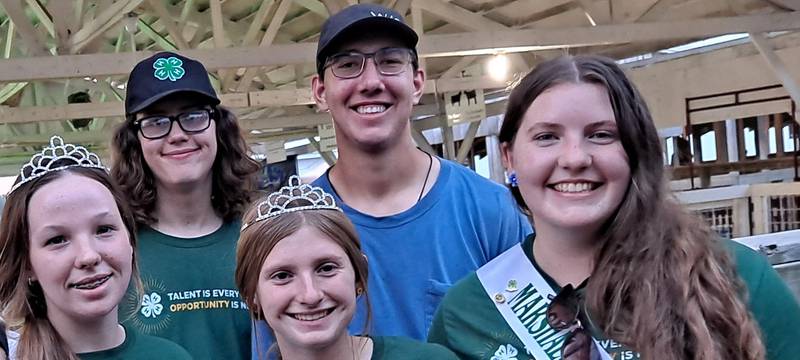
[
  {"x": 311, "y": 317},
  {"x": 573, "y": 187},
  {"x": 91, "y": 285},
  {"x": 371, "y": 109}
]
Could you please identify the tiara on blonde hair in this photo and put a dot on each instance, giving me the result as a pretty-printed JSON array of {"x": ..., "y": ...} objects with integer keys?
[
  {"x": 56, "y": 157},
  {"x": 295, "y": 196}
]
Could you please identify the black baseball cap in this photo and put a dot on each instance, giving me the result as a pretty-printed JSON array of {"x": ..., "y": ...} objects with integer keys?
[
  {"x": 361, "y": 16},
  {"x": 163, "y": 74}
]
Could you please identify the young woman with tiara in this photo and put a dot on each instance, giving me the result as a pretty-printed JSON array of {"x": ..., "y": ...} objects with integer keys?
[
  {"x": 300, "y": 268},
  {"x": 617, "y": 268},
  {"x": 67, "y": 258}
]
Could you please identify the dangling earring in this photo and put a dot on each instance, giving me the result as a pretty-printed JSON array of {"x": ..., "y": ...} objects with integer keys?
[
  {"x": 512, "y": 179},
  {"x": 359, "y": 291}
]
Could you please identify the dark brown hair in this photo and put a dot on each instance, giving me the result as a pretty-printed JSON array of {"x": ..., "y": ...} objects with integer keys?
[
  {"x": 259, "y": 238},
  {"x": 662, "y": 283},
  {"x": 23, "y": 301},
  {"x": 232, "y": 173}
]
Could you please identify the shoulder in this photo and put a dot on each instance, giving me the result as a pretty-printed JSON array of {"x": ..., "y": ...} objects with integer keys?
[
  {"x": 395, "y": 347},
  {"x": 751, "y": 266},
  {"x": 460, "y": 174},
  {"x": 767, "y": 296},
  {"x": 464, "y": 304}
]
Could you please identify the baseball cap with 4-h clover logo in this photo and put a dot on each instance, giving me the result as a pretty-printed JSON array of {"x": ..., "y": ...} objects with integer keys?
[{"x": 163, "y": 74}]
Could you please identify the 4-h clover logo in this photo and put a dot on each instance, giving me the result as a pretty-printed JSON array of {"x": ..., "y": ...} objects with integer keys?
[
  {"x": 506, "y": 352},
  {"x": 170, "y": 68},
  {"x": 151, "y": 305}
]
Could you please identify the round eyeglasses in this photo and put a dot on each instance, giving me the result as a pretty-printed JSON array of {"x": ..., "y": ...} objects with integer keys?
[
  {"x": 388, "y": 61},
  {"x": 158, "y": 126}
]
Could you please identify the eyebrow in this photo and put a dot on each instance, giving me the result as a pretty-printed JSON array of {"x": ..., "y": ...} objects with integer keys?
[{"x": 317, "y": 261}]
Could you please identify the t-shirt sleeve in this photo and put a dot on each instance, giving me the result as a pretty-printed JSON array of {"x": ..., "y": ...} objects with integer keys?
[{"x": 772, "y": 304}]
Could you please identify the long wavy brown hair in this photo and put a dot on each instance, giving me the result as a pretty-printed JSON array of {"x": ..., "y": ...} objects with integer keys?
[
  {"x": 663, "y": 284},
  {"x": 259, "y": 238},
  {"x": 233, "y": 171},
  {"x": 23, "y": 302}
]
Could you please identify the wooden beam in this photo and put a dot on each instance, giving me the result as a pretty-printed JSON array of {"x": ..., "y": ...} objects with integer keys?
[
  {"x": 417, "y": 25},
  {"x": 778, "y": 66},
  {"x": 314, "y": 6},
  {"x": 333, "y": 6},
  {"x": 421, "y": 141},
  {"x": 266, "y": 41},
  {"x": 101, "y": 23},
  {"x": 466, "y": 143},
  {"x": 148, "y": 30},
  {"x": 174, "y": 32},
  {"x": 42, "y": 15},
  {"x": 787, "y": 4},
  {"x": 250, "y": 36},
  {"x": 402, "y": 6},
  {"x": 458, "y": 44},
  {"x": 33, "y": 39},
  {"x": 328, "y": 156},
  {"x": 471, "y": 21},
  {"x": 62, "y": 13}
]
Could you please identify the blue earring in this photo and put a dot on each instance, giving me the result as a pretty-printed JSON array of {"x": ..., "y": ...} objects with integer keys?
[{"x": 512, "y": 179}]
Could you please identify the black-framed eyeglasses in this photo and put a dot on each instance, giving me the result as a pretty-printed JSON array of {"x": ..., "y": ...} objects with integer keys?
[
  {"x": 565, "y": 313},
  {"x": 388, "y": 61},
  {"x": 191, "y": 122}
]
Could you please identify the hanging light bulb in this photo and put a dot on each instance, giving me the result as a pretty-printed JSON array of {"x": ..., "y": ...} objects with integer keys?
[{"x": 498, "y": 66}]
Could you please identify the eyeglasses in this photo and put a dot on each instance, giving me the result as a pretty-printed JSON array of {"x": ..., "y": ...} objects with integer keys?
[
  {"x": 564, "y": 313},
  {"x": 388, "y": 61},
  {"x": 158, "y": 126}
]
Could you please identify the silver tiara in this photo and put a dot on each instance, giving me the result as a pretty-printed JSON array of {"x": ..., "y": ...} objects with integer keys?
[
  {"x": 293, "y": 197},
  {"x": 58, "y": 156}
]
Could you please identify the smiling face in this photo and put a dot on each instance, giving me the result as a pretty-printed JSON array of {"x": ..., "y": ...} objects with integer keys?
[
  {"x": 371, "y": 110},
  {"x": 307, "y": 291},
  {"x": 179, "y": 158},
  {"x": 80, "y": 255},
  {"x": 571, "y": 167}
]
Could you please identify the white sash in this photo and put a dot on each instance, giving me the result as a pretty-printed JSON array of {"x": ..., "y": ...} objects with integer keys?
[{"x": 521, "y": 295}]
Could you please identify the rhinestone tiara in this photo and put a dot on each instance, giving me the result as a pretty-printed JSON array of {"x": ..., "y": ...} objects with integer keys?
[
  {"x": 55, "y": 157},
  {"x": 295, "y": 196}
]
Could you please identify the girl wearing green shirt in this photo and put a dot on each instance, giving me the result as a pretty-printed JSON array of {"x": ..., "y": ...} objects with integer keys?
[
  {"x": 300, "y": 268},
  {"x": 67, "y": 260},
  {"x": 616, "y": 268}
]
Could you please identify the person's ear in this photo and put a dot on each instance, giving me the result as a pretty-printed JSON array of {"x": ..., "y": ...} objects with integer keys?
[
  {"x": 318, "y": 90},
  {"x": 419, "y": 84}
]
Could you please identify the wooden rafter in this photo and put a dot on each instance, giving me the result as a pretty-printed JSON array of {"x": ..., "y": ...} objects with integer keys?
[
  {"x": 102, "y": 22},
  {"x": 32, "y": 38},
  {"x": 63, "y": 16},
  {"x": 249, "y": 39},
  {"x": 42, "y": 15},
  {"x": 778, "y": 66},
  {"x": 469, "y": 20},
  {"x": 175, "y": 33},
  {"x": 457, "y": 44},
  {"x": 266, "y": 40},
  {"x": 314, "y": 6}
]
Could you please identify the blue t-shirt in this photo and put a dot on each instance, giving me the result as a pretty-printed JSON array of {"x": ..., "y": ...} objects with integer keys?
[{"x": 463, "y": 222}]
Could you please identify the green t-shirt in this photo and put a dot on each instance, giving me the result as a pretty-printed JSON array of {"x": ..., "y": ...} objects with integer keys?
[
  {"x": 140, "y": 347},
  {"x": 393, "y": 347},
  {"x": 190, "y": 296},
  {"x": 468, "y": 322}
]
